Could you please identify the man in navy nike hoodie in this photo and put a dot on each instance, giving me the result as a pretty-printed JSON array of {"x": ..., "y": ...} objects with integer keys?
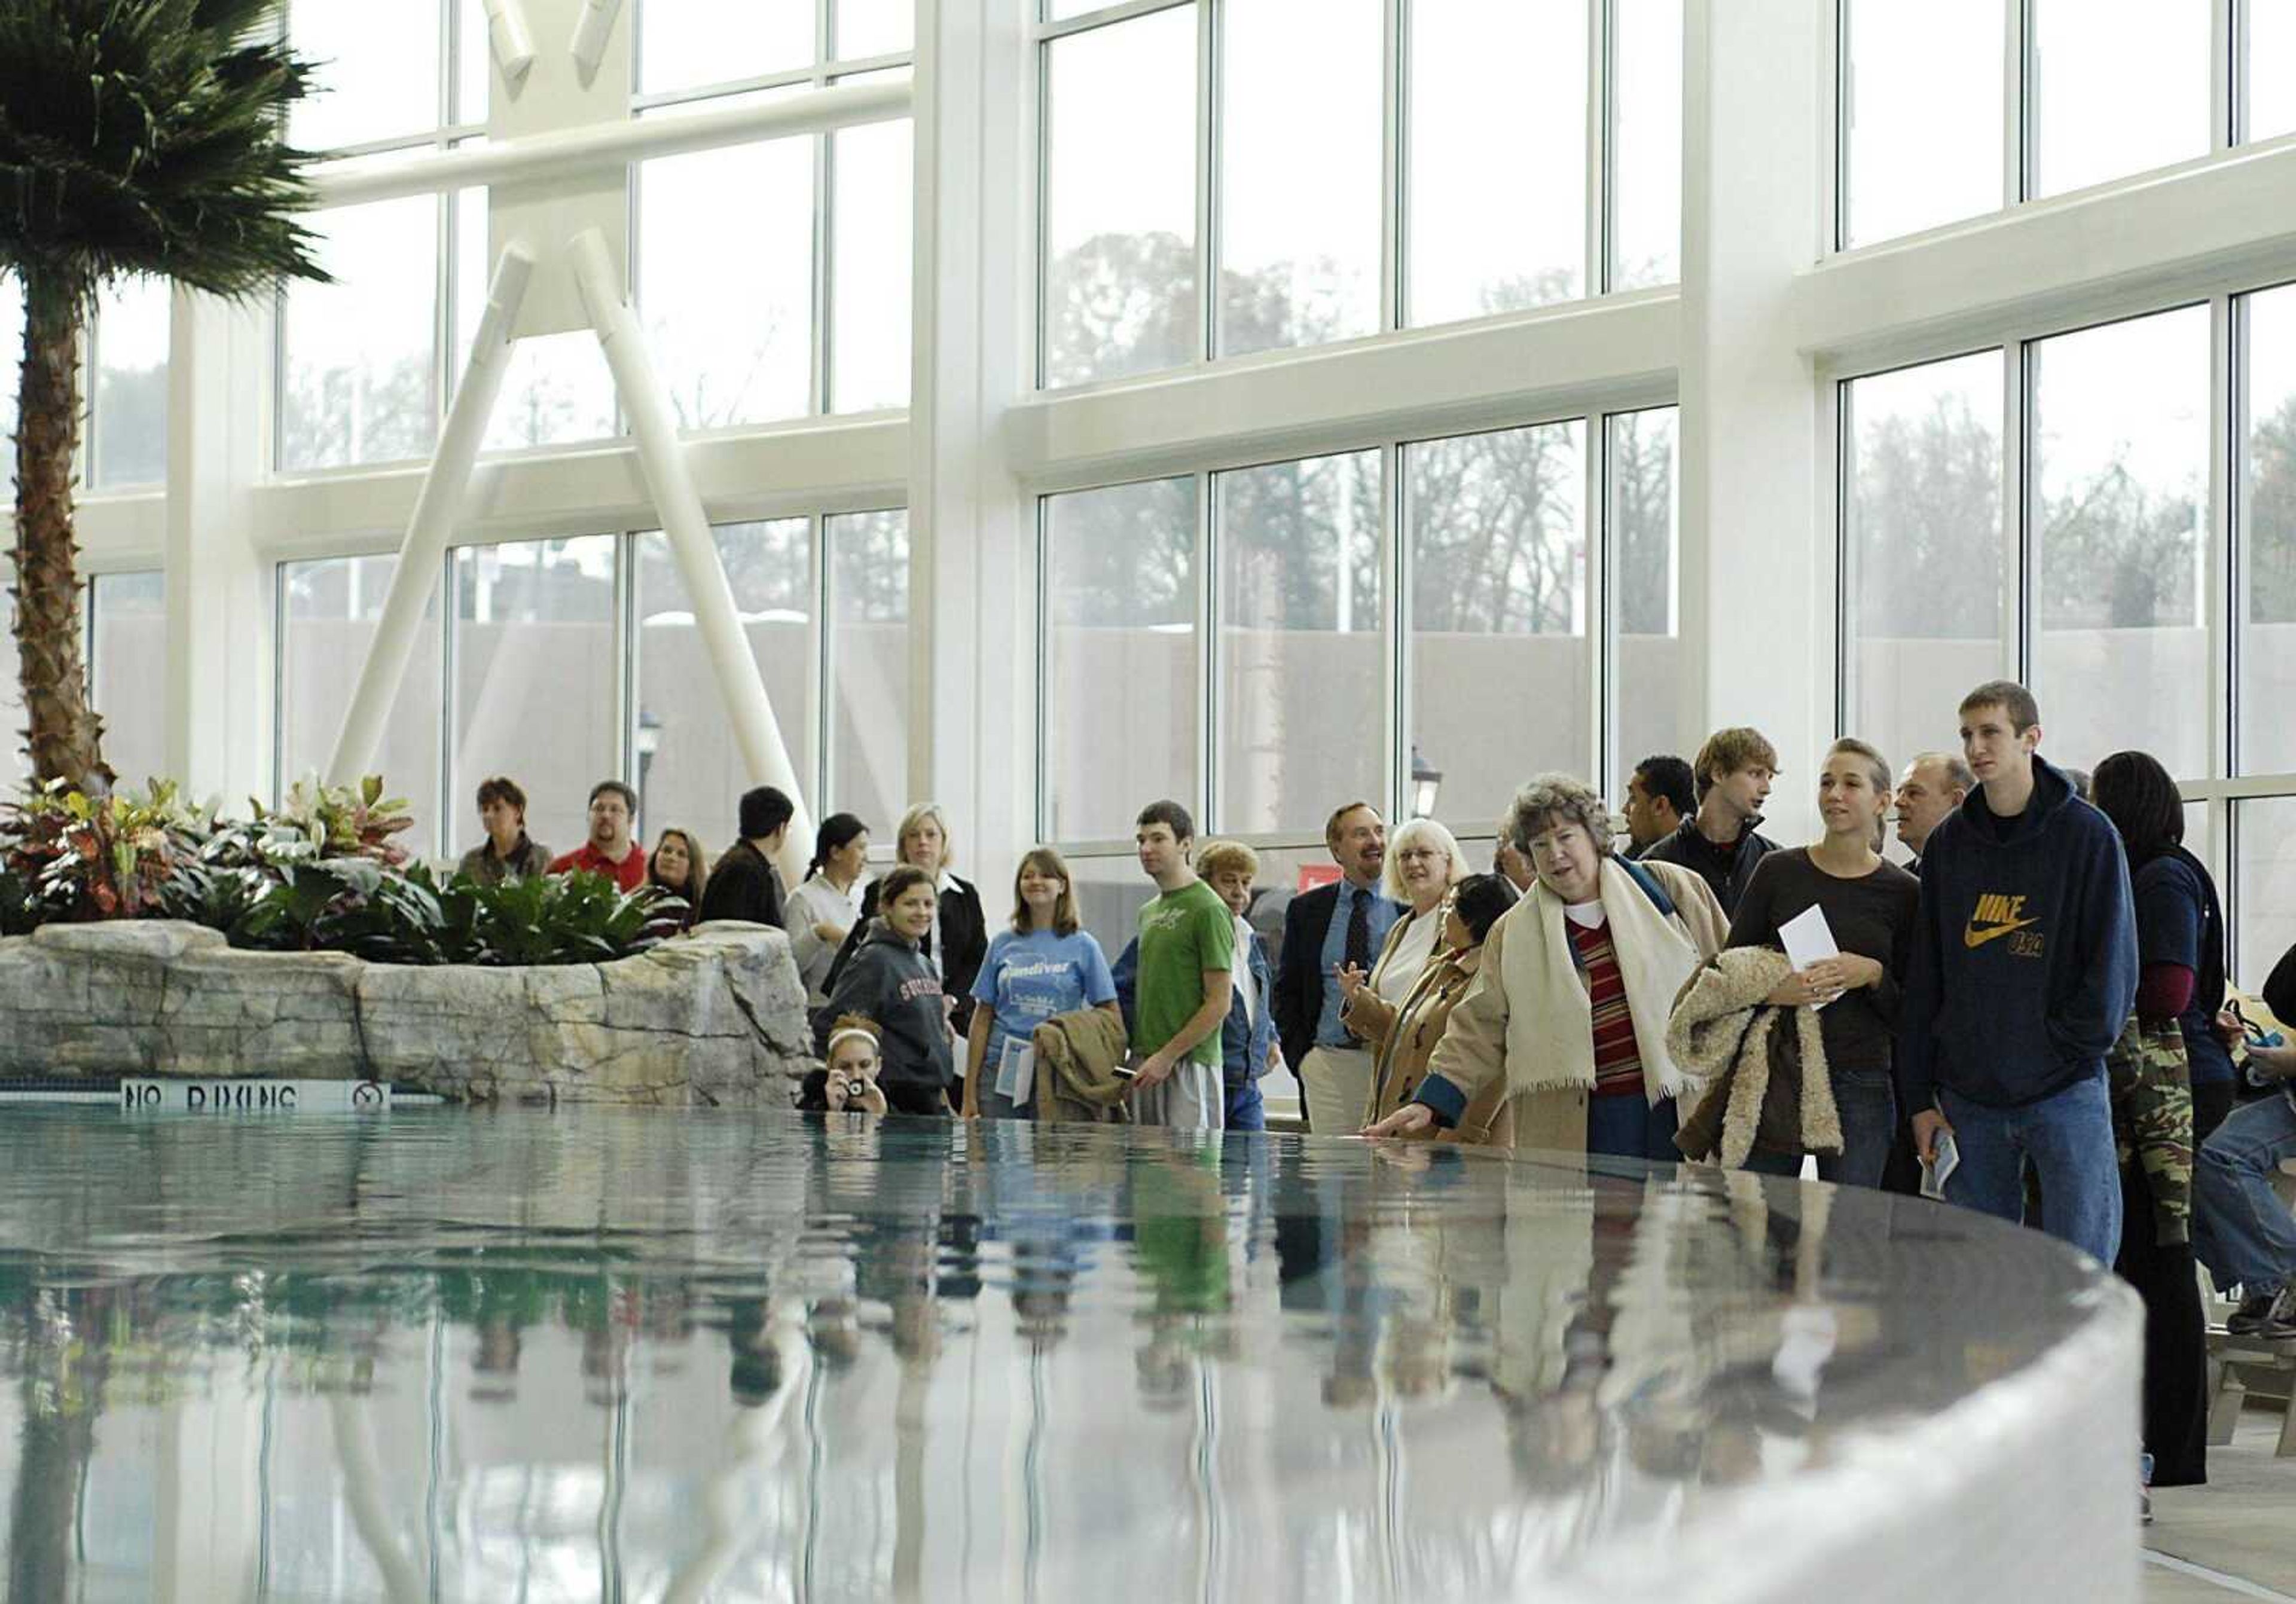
[{"x": 2024, "y": 973}]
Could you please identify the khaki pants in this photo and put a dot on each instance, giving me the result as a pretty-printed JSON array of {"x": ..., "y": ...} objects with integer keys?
[{"x": 1336, "y": 1084}]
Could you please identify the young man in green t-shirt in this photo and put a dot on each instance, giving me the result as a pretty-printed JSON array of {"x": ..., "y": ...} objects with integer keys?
[{"x": 1182, "y": 985}]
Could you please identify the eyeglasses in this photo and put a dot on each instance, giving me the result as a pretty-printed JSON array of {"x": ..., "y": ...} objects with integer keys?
[{"x": 1413, "y": 855}]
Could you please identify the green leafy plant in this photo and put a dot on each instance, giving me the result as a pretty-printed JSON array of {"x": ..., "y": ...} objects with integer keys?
[
  {"x": 316, "y": 821},
  {"x": 83, "y": 857},
  {"x": 579, "y": 918}
]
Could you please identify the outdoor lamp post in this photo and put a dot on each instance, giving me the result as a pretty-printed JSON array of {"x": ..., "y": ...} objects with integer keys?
[{"x": 1426, "y": 784}]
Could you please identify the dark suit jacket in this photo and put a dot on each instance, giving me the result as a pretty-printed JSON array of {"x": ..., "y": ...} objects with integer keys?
[
  {"x": 963, "y": 932},
  {"x": 1299, "y": 1001}
]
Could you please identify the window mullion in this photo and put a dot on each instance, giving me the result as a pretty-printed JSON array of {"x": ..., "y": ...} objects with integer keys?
[
  {"x": 2020, "y": 505},
  {"x": 1208, "y": 154},
  {"x": 1207, "y": 719},
  {"x": 1395, "y": 17}
]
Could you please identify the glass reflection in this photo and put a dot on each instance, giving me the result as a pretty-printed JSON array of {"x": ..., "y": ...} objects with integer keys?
[{"x": 741, "y": 1356}]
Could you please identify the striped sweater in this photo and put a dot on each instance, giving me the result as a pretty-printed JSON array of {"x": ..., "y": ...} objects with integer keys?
[{"x": 1617, "y": 1062}]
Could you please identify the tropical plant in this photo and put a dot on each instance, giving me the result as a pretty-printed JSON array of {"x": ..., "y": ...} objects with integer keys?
[
  {"x": 578, "y": 918},
  {"x": 75, "y": 857},
  {"x": 137, "y": 137},
  {"x": 318, "y": 821}
]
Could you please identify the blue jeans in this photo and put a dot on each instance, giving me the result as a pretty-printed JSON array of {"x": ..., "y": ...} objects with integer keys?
[
  {"x": 2067, "y": 1137},
  {"x": 1629, "y": 1127},
  {"x": 2240, "y": 1229},
  {"x": 1246, "y": 1111},
  {"x": 1869, "y": 1123}
]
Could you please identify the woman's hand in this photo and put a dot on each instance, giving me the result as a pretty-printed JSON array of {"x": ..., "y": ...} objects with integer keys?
[
  {"x": 858, "y": 1093},
  {"x": 1352, "y": 980},
  {"x": 1845, "y": 971},
  {"x": 1800, "y": 990},
  {"x": 824, "y": 931},
  {"x": 1409, "y": 1120}
]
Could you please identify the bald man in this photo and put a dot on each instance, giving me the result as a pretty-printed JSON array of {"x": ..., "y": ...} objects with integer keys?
[{"x": 1933, "y": 785}]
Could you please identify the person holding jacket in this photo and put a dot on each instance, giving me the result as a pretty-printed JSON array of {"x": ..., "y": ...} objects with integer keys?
[
  {"x": 888, "y": 981},
  {"x": 1870, "y": 907},
  {"x": 1403, "y": 1035},
  {"x": 2023, "y": 972},
  {"x": 1042, "y": 965},
  {"x": 1577, "y": 983}
]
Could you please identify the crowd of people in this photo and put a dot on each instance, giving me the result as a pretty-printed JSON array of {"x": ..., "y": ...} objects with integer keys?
[{"x": 2031, "y": 1018}]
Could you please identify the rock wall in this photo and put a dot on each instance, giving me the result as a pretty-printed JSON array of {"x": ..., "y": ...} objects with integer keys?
[{"x": 716, "y": 1017}]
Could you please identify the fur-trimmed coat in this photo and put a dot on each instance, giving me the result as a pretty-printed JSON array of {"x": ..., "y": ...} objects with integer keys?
[{"x": 1767, "y": 1090}]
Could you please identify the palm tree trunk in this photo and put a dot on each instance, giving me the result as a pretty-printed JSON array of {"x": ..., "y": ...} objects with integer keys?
[{"x": 65, "y": 738}]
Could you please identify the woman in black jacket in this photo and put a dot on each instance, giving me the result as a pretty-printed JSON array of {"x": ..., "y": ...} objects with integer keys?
[
  {"x": 958, "y": 939},
  {"x": 887, "y": 979}
]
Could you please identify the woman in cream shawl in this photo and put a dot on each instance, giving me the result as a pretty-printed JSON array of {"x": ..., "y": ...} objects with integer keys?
[{"x": 1570, "y": 1009}]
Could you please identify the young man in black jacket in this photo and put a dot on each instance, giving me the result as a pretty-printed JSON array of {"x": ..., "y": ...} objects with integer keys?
[
  {"x": 1719, "y": 843},
  {"x": 744, "y": 884}
]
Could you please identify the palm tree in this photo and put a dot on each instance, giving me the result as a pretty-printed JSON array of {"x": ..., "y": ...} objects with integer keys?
[{"x": 136, "y": 136}]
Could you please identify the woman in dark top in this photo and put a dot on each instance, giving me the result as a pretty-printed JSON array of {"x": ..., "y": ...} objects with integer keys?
[
  {"x": 1869, "y": 905},
  {"x": 2180, "y": 952},
  {"x": 2180, "y": 930}
]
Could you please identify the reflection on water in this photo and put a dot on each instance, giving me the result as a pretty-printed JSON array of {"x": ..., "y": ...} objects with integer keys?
[{"x": 441, "y": 1354}]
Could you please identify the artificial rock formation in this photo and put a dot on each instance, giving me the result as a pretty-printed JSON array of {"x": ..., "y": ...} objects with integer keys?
[{"x": 716, "y": 1017}]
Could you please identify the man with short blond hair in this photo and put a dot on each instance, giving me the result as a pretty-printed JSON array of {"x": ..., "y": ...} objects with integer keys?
[
  {"x": 1334, "y": 927},
  {"x": 1719, "y": 842}
]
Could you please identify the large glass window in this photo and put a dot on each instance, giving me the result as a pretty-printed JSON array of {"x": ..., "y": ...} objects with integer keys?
[
  {"x": 127, "y": 646},
  {"x": 2118, "y": 86},
  {"x": 687, "y": 43},
  {"x": 869, "y": 665},
  {"x": 533, "y": 693},
  {"x": 1490, "y": 76},
  {"x": 555, "y": 387},
  {"x": 129, "y": 445},
  {"x": 874, "y": 28},
  {"x": 1921, "y": 117},
  {"x": 1501, "y": 672},
  {"x": 357, "y": 355},
  {"x": 689, "y": 772},
  {"x": 2121, "y": 445},
  {"x": 327, "y": 614},
  {"x": 1300, "y": 189},
  {"x": 1645, "y": 593},
  {"x": 1302, "y": 666},
  {"x": 873, "y": 174},
  {"x": 378, "y": 71},
  {"x": 727, "y": 291},
  {"x": 1926, "y": 612},
  {"x": 2266, "y": 548},
  {"x": 1121, "y": 692},
  {"x": 1645, "y": 143},
  {"x": 2268, "y": 89},
  {"x": 2265, "y": 887},
  {"x": 1120, "y": 285}
]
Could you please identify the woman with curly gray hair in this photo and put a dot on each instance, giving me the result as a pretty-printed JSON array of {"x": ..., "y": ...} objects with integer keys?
[{"x": 1570, "y": 1007}]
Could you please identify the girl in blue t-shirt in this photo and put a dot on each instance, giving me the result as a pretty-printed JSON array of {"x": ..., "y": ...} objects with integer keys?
[{"x": 1042, "y": 965}]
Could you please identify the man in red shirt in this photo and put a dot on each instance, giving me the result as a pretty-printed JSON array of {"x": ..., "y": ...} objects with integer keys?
[{"x": 610, "y": 850}]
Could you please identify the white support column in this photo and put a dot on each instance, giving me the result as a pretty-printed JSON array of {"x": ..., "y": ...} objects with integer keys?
[
  {"x": 654, "y": 429},
  {"x": 972, "y": 626},
  {"x": 1757, "y": 564},
  {"x": 423, "y": 551},
  {"x": 217, "y": 694}
]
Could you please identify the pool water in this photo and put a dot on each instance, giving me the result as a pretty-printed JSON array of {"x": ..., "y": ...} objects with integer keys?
[{"x": 529, "y": 1355}]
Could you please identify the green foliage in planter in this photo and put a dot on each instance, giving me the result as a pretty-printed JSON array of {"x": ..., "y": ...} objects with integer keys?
[
  {"x": 319, "y": 873},
  {"x": 73, "y": 856}
]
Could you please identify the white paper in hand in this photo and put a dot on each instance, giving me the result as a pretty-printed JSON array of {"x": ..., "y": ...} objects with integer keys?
[
  {"x": 1934, "y": 1172},
  {"x": 1808, "y": 939}
]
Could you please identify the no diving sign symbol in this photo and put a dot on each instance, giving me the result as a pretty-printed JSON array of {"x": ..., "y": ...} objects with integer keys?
[{"x": 253, "y": 1096}]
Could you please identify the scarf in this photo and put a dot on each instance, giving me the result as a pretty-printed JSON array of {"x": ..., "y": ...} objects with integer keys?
[{"x": 1550, "y": 1019}]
